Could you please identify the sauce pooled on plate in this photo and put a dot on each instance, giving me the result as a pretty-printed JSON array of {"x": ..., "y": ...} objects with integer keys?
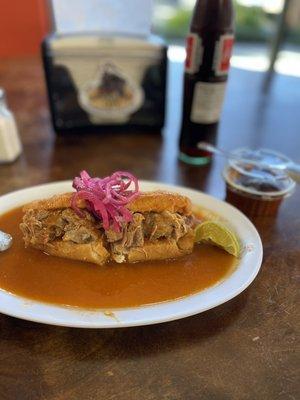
[{"x": 34, "y": 275}]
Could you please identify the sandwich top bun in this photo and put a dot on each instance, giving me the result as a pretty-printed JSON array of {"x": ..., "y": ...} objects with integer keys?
[{"x": 157, "y": 201}]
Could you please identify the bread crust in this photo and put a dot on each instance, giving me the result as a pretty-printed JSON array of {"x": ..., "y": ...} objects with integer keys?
[
  {"x": 96, "y": 253},
  {"x": 158, "y": 249},
  {"x": 53, "y": 203},
  {"x": 157, "y": 201},
  {"x": 93, "y": 252}
]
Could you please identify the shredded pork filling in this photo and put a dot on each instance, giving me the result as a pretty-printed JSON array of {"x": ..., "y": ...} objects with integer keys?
[{"x": 41, "y": 226}]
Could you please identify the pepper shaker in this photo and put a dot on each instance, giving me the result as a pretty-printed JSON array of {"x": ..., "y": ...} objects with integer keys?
[{"x": 10, "y": 144}]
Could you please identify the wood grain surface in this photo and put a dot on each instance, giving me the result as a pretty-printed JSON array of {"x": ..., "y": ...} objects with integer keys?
[{"x": 243, "y": 350}]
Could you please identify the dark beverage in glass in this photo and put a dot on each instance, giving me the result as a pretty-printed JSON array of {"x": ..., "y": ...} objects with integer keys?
[{"x": 208, "y": 46}]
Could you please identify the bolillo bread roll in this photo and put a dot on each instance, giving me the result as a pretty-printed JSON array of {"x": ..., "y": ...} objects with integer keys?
[{"x": 161, "y": 229}]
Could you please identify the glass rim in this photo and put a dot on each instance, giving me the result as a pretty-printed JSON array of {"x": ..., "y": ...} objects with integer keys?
[{"x": 273, "y": 195}]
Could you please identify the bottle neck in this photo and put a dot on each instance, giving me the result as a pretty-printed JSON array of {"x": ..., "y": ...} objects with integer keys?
[{"x": 213, "y": 15}]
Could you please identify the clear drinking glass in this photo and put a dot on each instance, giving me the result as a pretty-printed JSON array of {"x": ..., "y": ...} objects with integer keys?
[{"x": 257, "y": 191}]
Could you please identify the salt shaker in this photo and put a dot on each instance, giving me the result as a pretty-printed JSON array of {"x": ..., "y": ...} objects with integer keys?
[{"x": 10, "y": 144}]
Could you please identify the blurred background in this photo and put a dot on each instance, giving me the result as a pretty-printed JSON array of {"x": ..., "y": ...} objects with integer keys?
[
  {"x": 258, "y": 22},
  {"x": 258, "y": 101}
]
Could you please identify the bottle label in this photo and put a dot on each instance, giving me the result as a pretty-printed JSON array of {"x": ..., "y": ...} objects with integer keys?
[
  {"x": 223, "y": 50},
  {"x": 207, "y": 102},
  {"x": 194, "y": 53}
]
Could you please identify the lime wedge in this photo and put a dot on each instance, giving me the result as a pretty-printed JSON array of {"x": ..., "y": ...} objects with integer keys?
[{"x": 219, "y": 235}]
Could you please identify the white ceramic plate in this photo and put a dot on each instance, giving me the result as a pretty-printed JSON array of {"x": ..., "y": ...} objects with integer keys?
[{"x": 238, "y": 281}]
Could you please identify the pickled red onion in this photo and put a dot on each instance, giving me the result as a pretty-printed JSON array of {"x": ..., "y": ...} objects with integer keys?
[{"x": 106, "y": 198}]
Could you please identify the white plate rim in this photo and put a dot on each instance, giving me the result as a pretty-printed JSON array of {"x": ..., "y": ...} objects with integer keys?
[{"x": 233, "y": 285}]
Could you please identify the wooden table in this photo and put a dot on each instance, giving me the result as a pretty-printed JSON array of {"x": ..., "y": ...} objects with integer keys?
[{"x": 244, "y": 349}]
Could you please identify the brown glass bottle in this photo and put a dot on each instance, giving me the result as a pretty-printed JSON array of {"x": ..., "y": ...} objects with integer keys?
[{"x": 209, "y": 47}]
